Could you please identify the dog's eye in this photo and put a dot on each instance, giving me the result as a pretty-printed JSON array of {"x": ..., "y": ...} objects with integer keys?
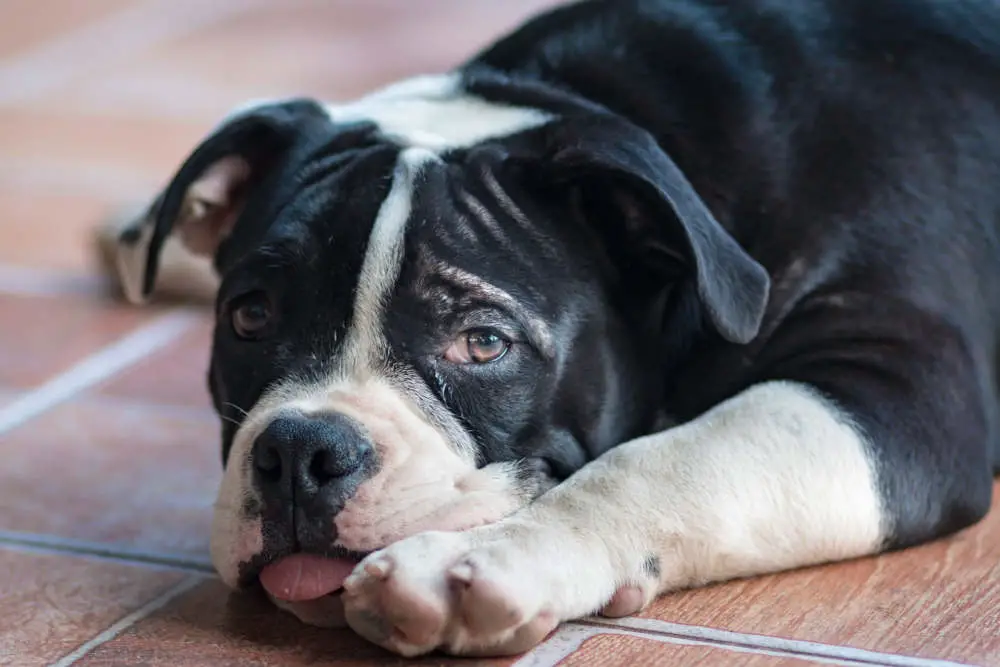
[
  {"x": 252, "y": 315},
  {"x": 477, "y": 347}
]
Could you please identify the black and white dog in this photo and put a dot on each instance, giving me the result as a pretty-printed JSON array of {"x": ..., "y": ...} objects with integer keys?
[{"x": 648, "y": 294}]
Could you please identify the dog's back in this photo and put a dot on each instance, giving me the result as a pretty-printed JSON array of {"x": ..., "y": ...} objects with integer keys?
[{"x": 828, "y": 134}]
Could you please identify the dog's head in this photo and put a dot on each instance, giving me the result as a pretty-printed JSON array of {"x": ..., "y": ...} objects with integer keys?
[{"x": 432, "y": 308}]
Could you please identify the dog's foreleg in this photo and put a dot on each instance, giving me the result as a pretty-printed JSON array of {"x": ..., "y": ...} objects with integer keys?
[{"x": 775, "y": 478}]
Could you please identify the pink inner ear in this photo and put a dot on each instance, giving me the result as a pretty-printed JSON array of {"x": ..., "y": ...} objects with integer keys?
[{"x": 212, "y": 204}]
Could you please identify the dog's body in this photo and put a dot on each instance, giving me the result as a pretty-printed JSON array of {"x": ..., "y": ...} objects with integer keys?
[{"x": 647, "y": 295}]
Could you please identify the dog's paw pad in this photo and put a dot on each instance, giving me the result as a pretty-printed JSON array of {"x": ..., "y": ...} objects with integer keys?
[
  {"x": 627, "y": 600},
  {"x": 387, "y": 605},
  {"x": 380, "y": 569},
  {"x": 445, "y": 592},
  {"x": 486, "y": 606}
]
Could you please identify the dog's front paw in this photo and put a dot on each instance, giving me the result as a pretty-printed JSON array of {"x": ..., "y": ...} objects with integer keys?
[{"x": 472, "y": 593}]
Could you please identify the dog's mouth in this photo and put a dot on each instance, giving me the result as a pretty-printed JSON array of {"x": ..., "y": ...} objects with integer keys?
[{"x": 301, "y": 577}]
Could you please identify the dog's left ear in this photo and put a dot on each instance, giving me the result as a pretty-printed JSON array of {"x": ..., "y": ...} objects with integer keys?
[
  {"x": 206, "y": 197},
  {"x": 653, "y": 200}
]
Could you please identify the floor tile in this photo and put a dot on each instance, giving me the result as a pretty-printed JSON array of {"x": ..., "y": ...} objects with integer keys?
[
  {"x": 133, "y": 476},
  {"x": 211, "y": 626},
  {"x": 134, "y": 150},
  {"x": 68, "y": 220},
  {"x": 43, "y": 336},
  {"x": 54, "y": 603},
  {"x": 940, "y": 600},
  {"x": 175, "y": 376},
  {"x": 328, "y": 49},
  {"x": 33, "y": 23},
  {"x": 7, "y": 395},
  {"x": 615, "y": 650}
]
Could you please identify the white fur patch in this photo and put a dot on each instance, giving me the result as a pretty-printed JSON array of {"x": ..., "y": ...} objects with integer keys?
[
  {"x": 433, "y": 112},
  {"x": 234, "y": 539},
  {"x": 382, "y": 263},
  {"x": 774, "y": 478}
]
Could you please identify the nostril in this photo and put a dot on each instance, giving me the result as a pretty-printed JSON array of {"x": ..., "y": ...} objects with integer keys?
[
  {"x": 327, "y": 466},
  {"x": 267, "y": 461}
]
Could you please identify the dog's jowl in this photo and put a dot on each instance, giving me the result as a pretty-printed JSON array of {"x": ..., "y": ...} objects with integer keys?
[{"x": 644, "y": 296}]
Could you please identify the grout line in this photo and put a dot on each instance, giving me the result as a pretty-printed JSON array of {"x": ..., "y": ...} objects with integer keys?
[
  {"x": 119, "y": 183},
  {"x": 569, "y": 639},
  {"x": 739, "y": 641},
  {"x": 129, "y": 620},
  {"x": 107, "y": 41},
  {"x": 55, "y": 544},
  {"x": 28, "y": 281},
  {"x": 97, "y": 367},
  {"x": 173, "y": 410}
]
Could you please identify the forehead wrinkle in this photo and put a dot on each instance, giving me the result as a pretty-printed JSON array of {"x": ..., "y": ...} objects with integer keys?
[
  {"x": 477, "y": 286},
  {"x": 516, "y": 213},
  {"x": 381, "y": 266},
  {"x": 479, "y": 211}
]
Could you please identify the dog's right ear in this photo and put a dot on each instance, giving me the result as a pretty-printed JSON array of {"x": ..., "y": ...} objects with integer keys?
[{"x": 203, "y": 202}]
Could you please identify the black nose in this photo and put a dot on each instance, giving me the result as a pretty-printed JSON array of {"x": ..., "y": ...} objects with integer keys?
[{"x": 310, "y": 463}]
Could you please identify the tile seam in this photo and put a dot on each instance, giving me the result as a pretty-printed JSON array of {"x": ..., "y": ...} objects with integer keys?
[
  {"x": 96, "y": 368},
  {"x": 59, "y": 545},
  {"x": 33, "y": 282},
  {"x": 30, "y": 75},
  {"x": 734, "y": 640},
  {"x": 569, "y": 639},
  {"x": 109, "y": 182},
  {"x": 127, "y": 621}
]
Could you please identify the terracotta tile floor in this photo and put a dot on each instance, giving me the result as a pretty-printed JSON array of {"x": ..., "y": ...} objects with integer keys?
[{"x": 109, "y": 448}]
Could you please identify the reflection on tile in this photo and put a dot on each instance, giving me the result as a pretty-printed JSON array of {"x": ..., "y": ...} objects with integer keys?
[
  {"x": 53, "y": 603},
  {"x": 331, "y": 50},
  {"x": 134, "y": 476},
  {"x": 940, "y": 600},
  {"x": 145, "y": 150},
  {"x": 210, "y": 626},
  {"x": 41, "y": 337},
  {"x": 32, "y": 24},
  {"x": 68, "y": 220}
]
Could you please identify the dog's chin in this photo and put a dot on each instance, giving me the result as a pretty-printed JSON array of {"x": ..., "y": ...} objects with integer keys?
[{"x": 323, "y": 612}]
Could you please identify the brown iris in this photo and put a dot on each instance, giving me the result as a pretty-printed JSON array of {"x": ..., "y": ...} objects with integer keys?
[
  {"x": 477, "y": 347},
  {"x": 251, "y": 315}
]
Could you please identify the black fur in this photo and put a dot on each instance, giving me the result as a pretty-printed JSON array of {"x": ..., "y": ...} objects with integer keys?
[{"x": 733, "y": 192}]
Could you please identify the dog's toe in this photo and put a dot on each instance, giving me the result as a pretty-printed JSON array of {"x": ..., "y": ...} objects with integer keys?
[{"x": 445, "y": 591}]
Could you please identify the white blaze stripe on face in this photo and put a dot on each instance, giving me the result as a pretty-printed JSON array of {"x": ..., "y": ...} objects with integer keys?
[
  {"x": 383, "y": 259},
  {"x": 434, "y": 112}
]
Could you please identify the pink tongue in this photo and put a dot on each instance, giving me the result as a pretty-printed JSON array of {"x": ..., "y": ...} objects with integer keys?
[{"x": 305, "y": 577}]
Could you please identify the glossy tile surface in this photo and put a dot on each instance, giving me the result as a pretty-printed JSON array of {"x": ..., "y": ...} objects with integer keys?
[
  {"x": 131, "y": 476},
  {"x": 43, "y": 336},
  {"x": 176, "y": 375},
  {"x": 53, "y": 603},
  {"x": 612, "y": 650},
  {"x": 210, "y": 626}
]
